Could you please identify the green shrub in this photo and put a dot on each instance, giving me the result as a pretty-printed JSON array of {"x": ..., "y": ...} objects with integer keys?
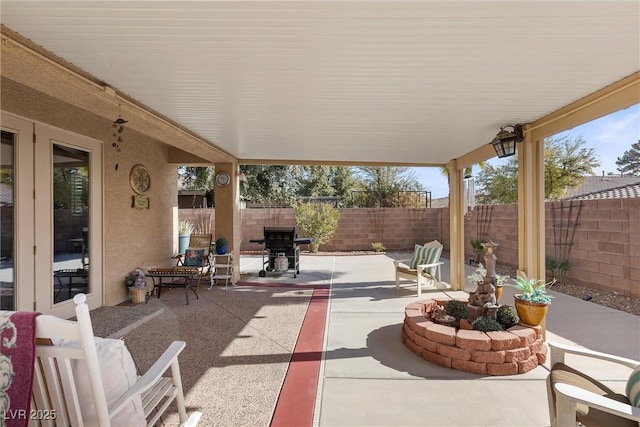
[
  {"x": 378, "y": 246},
  {"x": 486, "y": 324},
  {"x": 556, "y": 267},
  {"x": 318, "y": 221},
  {"x": 507, "y": 316},
  {"x": 456, "y": 308},
  {"x": 476, "y": 244}
]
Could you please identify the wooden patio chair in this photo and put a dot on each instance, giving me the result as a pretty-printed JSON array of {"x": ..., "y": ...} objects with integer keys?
[
  {"x": 89, "y": 381},
  {"x": 423, "y": 267},
  {"x": 574, "y": 397}
]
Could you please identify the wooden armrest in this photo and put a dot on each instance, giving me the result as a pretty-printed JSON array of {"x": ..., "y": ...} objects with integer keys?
[
  {"x": 150, "y": 377},
  {"x": 435, "y": 264},
  {"x": 423, "y": 267},
  {"x": 593, "y": 400},
  {"x": 558, "y": 352}
]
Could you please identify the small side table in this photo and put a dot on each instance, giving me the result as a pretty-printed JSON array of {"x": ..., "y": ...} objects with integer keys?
[
  {"x": 184, "y": 275},
  {"x": 222, "y": 265}
]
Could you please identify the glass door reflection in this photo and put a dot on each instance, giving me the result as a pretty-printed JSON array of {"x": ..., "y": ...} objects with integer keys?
[
  {"x": 70, "y": 222},
  {"x": 7, "y": 223}
]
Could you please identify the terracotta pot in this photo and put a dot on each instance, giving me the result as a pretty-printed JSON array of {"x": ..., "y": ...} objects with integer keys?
[
  {"x": 498, "y": 293},
  {"x": 531, "y": 313}
]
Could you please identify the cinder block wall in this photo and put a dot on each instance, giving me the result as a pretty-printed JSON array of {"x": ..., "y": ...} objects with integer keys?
[
  {"x": 606, "y": 249},
  {"x": 502, "y": 229},
  {"x": 396, "y": 228},
  {"x": 605, "y": 252}
]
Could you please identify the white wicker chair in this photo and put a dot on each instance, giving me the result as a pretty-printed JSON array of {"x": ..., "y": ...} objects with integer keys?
[
  {"x": 55, "y": 383},
  {"x": 575, "y": 397}
]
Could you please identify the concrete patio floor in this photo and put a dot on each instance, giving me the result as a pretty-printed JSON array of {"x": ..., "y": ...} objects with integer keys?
[
  {"x": 369, "y": 378},
  {"x": 240, "y": 342}
]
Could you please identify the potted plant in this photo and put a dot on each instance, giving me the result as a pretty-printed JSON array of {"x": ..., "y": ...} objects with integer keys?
[
  {"x": 137, "y": 285},
  {"x": 221, "y": 246},
  {"x": 185, "y": 229},
  {"x": 532, "y": 300}
]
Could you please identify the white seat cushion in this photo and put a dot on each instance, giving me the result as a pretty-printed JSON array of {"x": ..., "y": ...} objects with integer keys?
[{"x": 118, "y": 372}]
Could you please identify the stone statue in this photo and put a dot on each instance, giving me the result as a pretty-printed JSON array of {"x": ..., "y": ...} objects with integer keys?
[{"x": 482, "y": 302}]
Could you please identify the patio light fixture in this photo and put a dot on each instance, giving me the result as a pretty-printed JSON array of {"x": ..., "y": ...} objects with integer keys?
[{"x": 505, "y": 141}]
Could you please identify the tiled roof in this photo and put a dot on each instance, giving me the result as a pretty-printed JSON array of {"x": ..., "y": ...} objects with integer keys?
[
  {"x": 606, "y": 187},
  {"x": 625, "y": 192}
]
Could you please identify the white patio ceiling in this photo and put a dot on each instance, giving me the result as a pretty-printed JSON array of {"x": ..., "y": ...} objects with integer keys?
[{"x": 401, "y": 82}]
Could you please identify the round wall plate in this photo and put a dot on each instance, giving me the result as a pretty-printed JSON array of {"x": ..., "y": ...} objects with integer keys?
[
  {"x": 140, "y": 179},
  {"x": 223, "y": 179}
]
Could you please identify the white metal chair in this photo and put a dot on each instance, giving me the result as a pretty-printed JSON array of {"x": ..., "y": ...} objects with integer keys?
[
  {"x": 61, "y": 369},
  {"x": 575, "y": 397},
  {"x": 423, "y": 267}
]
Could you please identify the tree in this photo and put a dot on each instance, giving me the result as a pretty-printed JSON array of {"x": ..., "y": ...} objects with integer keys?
[
  {"x": 318, "y": 221},
  {"x": 629, "y": 163},
  {"x": 322, "y": 181},
  {"x": 271, "y": 184},
  {"x": 498, "y": 184},
  {"x": 198, "y": 177},
  {"x": 566, "y": 163},
  {"x": 468, "y": 171},
  {"x": 382, "y": 186}
]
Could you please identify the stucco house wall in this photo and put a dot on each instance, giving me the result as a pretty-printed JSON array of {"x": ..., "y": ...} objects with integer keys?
[{"x": 132, "y": 237}]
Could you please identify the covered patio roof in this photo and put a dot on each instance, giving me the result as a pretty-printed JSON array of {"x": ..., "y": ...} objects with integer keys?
[{"x": 383, "y": 82}]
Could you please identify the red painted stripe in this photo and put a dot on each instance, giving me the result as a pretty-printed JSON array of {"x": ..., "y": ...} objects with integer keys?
[
  {"x": 298, "y": 395},
  {"x": 283, "y": 285}
]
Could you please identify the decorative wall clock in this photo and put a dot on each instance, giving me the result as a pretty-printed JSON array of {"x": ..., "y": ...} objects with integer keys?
[{"x": 223, "y": 179}]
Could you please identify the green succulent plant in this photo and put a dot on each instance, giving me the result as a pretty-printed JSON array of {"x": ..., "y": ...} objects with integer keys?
[
  {"x": 507, "y": 316},
  {"x": 185, "y": 227},
  {"x": 532, "y": 290},
  {"x": 456, "y": 308},
  {"x": 486, "y": 324},
  {"x": 378, "y": 246}
]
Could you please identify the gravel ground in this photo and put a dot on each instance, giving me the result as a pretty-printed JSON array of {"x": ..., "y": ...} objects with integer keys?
[{"x": 597, "y": 296}]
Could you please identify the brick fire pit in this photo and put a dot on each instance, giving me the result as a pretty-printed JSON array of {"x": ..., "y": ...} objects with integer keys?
[{"x": 515, "y": 351}]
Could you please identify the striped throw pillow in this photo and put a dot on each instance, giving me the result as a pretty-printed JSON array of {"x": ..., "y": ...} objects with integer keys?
[
  {"x": 633, "y": 387},
  {"x": 425, "y": 255},
  {"x": 417, "y": 256}
]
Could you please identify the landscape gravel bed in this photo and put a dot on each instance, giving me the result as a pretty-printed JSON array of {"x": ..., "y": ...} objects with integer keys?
[{"x": 598, "y": 296}]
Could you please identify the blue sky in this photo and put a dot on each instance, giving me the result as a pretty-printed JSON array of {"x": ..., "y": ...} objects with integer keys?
[{"x": 609, "y": 136}]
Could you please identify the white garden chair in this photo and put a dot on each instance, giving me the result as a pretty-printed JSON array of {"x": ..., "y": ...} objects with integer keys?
[
  {"x": 88, "y": 381},
  {"x": 423, "y": 268},
  {"x": 574, "y": 397}
]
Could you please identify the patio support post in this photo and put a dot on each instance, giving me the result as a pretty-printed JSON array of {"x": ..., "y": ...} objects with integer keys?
[
  {"x": 227, "y": 219},
  {"x": 456, "y": 226},
  {"x": 531, "y": 226},
  {"x": 531, "y": 207}
]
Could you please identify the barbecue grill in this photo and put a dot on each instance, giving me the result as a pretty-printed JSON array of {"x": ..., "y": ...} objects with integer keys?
[{"x": 281, "y": 242}]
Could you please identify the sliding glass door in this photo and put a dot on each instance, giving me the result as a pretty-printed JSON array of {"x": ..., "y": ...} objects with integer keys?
[
  {"x": 51, "y": 218},
  {"x": 68, "y": 184}
]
